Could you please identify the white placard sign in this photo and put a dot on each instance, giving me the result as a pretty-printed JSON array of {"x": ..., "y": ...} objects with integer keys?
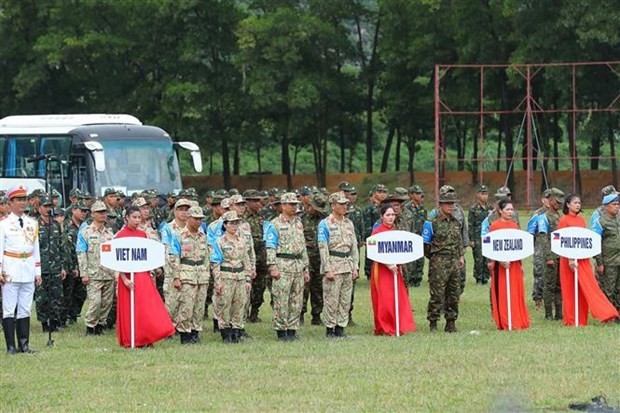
[
  {"x": 575, "y": 243},
  {"x": 507, "y": 245},
  {"x": 394, "y": 247},
  {"x": 132, "y": 254}
]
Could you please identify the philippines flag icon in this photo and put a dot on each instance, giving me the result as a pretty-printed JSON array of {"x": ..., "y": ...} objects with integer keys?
[
  {"x": 106, "y": 248},
  {"x": 556, "y": 235},
  {"x": 486, "y": 240}
]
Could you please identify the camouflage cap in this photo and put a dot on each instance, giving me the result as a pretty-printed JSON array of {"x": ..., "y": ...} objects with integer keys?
[
  {"x": 233, "y": 191},
  {"x": 59, "y": 212},
  {"x": 109, "y": 191},
  {"x": 399, "y": 190},
  {"x": 225, "y": 203},
  {"x": 277, "y": 199},
  {"x": 3, "y": 200},
  {"x": 35, "y": 193},
  {"x": 222, "y": 193},
  {"x": 195, "y": 212},
  {"x": 272, "y": 191},
  {"x": 217, "y": 200},
  {"x": 416, "y": 189},
  {"x": 446, "y": 189},
  {"x": 379, "y": 188},
  {"x": 81, "y": 205},
  {"x": 230, "y": 216},
  {"x": 182, "y": 202},
  {"x": 557, "y": 194},
  {"x": 85, "y": 195},
  {"x": 502, "y": 192},
  {"x": 46, "y": 199},
  {"x": 193, "y": 203},
  {"x": 139, "y": 202},
  {"x": 609, "y": 189},
  {"x": 482, "y": 188},
  {"x": 209, "y": 194},
  {"x": 263, "y": 194},
  {"x": 338, "y": 198},
  {"x": 351, "y": 190},
  {"x": 252, "y": 195},
  {"x": 120, "y": 194},
  {"x": 237, "y": 199},
  {"x": 98, "y": 206},
  {"x": 448, "y": 198},
  {"x": 546, "y": 193},
  {"x": 395, "y": 198},
  {"x": 305, "y": 191},
  {"x": 319, "y": 202},
  {"x": 289, "y": 198},
  {"x": 75, "y": 192},
  {"x": 345, "y": 186},
  {"x": 183, "y": 192}
]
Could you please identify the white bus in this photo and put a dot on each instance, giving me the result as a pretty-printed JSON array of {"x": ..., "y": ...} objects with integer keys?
[{"x": 90, "y": 152}]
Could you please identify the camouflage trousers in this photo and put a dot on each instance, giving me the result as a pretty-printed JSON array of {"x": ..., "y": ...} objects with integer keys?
[
  {"x": 100, "y": 294},
  {"x": 209, "y": 300},
  {"x": 232, "y": 303},
  {"x": 337, "y": 300},
  {"x": 539, "y": 275},
  {"x": 111, "y": 320},
  {"x": 313, "y": 290},
  {"x": 288, "y": 294},
  {"x": 408, "y": 274},
  {"x": 610, "y": 284},
  {"x": 171, "y": 298},
  {"x": 417, "y": 272},
  {"x": 463, "y": 275},
  {"x": 552, "y": 294},
  {"x": 481, "y": 271},
  {"x": 48, "y": 298},
  {"x": 257, "y": 295},
  {"x": 74, "y": 295},
  {"x": 444, "y": 279},
  {"x": 191, "y": 307}
]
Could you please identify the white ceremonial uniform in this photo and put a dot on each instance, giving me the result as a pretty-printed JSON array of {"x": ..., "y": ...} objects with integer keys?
[{"x": 20, "y": 262}]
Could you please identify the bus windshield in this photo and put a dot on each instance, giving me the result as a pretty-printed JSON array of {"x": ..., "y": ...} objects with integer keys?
[{"x": 133, "y": 165}]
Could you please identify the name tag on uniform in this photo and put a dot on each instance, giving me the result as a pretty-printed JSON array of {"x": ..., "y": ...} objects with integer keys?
[
  {"x": 284, "y": 228},
  {"x": 333, "y": 228},
  {"x": 227, "y": 248}
]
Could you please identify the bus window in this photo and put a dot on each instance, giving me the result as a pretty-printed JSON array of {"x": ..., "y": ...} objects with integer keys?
[{"x": 18, "y": 149}]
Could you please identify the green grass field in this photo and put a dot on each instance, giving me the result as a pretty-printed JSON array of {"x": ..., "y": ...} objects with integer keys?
[{"x": 478, "y": 369}]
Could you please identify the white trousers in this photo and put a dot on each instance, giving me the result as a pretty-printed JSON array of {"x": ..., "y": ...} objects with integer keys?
[{"x": 17, "y": 296}]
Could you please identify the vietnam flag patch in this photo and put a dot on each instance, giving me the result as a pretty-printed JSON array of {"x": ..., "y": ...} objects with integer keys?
[{"x": 106, "y": 248}]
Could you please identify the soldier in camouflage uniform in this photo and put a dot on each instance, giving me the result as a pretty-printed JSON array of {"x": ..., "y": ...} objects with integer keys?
[
  {"x": 502, "y": 192},
  {"x": 477, "y": 213},
  {"x": 371, "y": 215},
  {"x": 608, "y": 262},
  {"x": 34, "y": 202},
  {"x": 214, "y": 231},
  {"x": 354, "y": 213},
  {"x": 49, "y": 295},
  {"x": 339, "y": 265},
  {"x": 148, "y": 226},
  {"x": 98, "y": 280},
  {"x": 539, "y": 261},
  {"x": 74, "y": 197},
  {"x": 607, "y": 190},
  {"x": 255, "y": 220},
  {"x": 459, "y": 215},
  {"x": 191, "y": 278},
  {"x": 417, "y": 209},
  {"x": 231, "y": 268},
  {"x": 170, "y": 233},
  {"x": 547, "y": 223},
  {"x": 313, "y": 290},
  {"x": 74, "y": 292},
  {"x": 443, "y": 246},
  {"x": 287, "y": 259}
]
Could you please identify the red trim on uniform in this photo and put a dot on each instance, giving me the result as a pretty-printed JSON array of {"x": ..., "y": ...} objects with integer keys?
[
  {"x": 37, "y": 264},
  {"x": 19, "y": 191}
]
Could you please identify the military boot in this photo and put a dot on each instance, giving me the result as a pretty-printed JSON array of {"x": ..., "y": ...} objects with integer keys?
[
  {"x": 330, "y": 332},
  {"x": 450, "y": 326},
  {"x": 253, "y": 318},
  {"x": 45, "y": 327},
  {"x": 316, "y": 320},
  {"x": 186, "y": 338},
  {"x": 194, "y": 336},
  {"x": 235, "y": 335},
  {"x": 292, "y": 335},
  {"x": 22, "y": 327},
  {"x": 99, "y": 329},
  {"x": 8, "y": 326},
  {"x": 90, "y": 331},
  {"x": 548, "y": 311},
  {"x": 339, "y": 331},
  {"x": 558, "y": 308},
  {"x": 432, "y": 326},
  {"x": 282, "y": 335}
]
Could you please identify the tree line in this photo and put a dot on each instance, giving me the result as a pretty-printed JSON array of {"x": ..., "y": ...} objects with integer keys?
[{"x": 250, "y": 76}]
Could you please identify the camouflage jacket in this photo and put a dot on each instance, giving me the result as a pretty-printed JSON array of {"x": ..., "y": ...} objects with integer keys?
[
  {"x": 230, "y": 259},
  {"x": 609, "y": 229},
  {"x": 459, "y": 214},
  {"x": 49, "y": 247},
  {"x": 370, "y": 215},
  {"x": 286, "y": 245},
  {"x": 477, "y": 214},
  {"x": 311, "y": 225},
  {"x": 337, "y": 245},
  {"x": 357, "y": 218},
  {"x": 547, "y": 223},
  {"x": 443, "y": 236},
  {"x": 88, "y": 249},
  {"x": 194, "y": 261},
  {"x": 67, "y": 247},
  {"x": 256, "y": 227}
]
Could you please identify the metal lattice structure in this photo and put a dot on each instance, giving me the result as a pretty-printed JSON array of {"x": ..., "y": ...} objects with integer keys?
[{"x": 528, "y": 105}]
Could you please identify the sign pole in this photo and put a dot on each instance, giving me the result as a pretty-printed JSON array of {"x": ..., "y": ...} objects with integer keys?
[
  {"x": 132, "y": 305},
  {"x": 396, "y": 302},
  {"x": 576, "y": 294},
  {"x": 508, "y": 301}
]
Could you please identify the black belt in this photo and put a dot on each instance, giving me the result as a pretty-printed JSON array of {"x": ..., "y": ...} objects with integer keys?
[
  {"x": 231, "y": 269},
  {"x": 289, "y": 256},
  {"x": 340, "y": 254},
  {"x": 187, "y": 261}
]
